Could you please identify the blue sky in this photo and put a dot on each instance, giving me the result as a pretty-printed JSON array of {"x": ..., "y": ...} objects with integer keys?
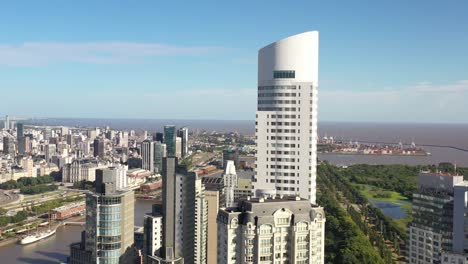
[{"x": 387, "y": 61}]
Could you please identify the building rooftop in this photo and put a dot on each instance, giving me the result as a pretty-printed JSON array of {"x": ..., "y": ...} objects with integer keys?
[
  {"x": 441, "y": 174},
  {"x": 262, "y": 210},
  {"x": 69, "y": 206}
]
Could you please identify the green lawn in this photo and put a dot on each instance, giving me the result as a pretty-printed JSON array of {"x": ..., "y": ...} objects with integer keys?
[{"x": 379, "y": 194}]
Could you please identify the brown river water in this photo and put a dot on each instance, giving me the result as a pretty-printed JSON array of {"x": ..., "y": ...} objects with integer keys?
[{"x": 55, "y": 249}]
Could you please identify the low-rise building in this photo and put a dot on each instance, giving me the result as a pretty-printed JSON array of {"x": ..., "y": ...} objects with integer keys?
[{"x": 67, "y": 211}]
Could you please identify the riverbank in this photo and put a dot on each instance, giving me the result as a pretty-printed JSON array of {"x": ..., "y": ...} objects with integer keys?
[
  {"x": 54, "y": 225},
  {"x": 56, "y": 249},
  {"x": 376, "y": 154}
]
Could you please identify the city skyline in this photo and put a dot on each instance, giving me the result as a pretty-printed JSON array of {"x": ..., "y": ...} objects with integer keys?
[{"x": 408, "y": 70}]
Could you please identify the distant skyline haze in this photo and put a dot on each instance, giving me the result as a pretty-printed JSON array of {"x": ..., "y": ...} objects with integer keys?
[{"x": 392, "y": 61}]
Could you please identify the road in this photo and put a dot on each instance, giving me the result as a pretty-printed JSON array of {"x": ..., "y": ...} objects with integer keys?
[
  {"x": 34, "y": 200},
  {"x": 7, "y": 197}
]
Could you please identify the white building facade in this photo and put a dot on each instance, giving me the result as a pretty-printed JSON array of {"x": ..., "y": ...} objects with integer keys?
[
  {"x": 230, "y": 183},
  {"x": 153, "y": 234},
  {"x": 280, "y": 230},
  {"x": 286, "y": 120}
]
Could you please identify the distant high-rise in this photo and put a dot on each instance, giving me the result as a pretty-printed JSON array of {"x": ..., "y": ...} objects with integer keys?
[
  {"x": 170, "y": 244},
  {"x": 8, "y": 146},
  {"x": 7, "y": 122},
  {"x": 212, "y": 201},
  {"x": 159, "y": 137},
  {"x": 460, "y": 219},
  {"x": 153, "y": 235},
  {"x": 194, "y": 218},
  {"x": 184, "y": 217},
  {"x": 178, "y": 147},
  {"x": 47, "y": 133},
  {"x": 117, "y": 175},
  {"x": 216, "y": 184},
  {"x": 64, "y": 131},
  {"x": 183, "y": 134},
  {"x": 280, "y": 230},
  {"x": 110, "y": 134},
  {"x": 69, "y": 139},
  {"x": 123, "y": 141},
  {"x": 19, "y": 130},
  {"x": 286, "y": 121},
  {"x": 170, "y": 140},
  {"x": 50, "y": 151},
  {"x": 147, "y": 155},
  {"x": 109, "y": 233},
  {"x": 24, "y": 145},
  {"x": 92, "y": 133},
  {"x": 230, "y": 183},
  {"x": 98, "y": 148},
  {"x": 79, "y": 170},
  {"x": 459, "y": 253},
  {"x": 159, "y": 154},
  {"x": 231, "y": 154}
]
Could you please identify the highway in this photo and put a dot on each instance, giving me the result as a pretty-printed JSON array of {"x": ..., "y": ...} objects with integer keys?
[{"x": 34, "y": 200}]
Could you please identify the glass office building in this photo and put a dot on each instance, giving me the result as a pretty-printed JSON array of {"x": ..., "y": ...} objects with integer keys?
[{"x": 170, "y": 140}]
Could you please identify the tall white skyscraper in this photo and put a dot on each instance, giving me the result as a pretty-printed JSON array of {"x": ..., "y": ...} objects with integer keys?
[
  {"x": 286, "y": 121},
  {"x": 230, "y": 183}
]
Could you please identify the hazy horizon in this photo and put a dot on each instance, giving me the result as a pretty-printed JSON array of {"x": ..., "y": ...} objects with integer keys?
[
  {"x": 123, "y": 60},
  {"x": 2, "y": 117}
]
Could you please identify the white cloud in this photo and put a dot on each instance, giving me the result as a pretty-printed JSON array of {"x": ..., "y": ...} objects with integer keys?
[
  {"x": 217, "y": 92},
  {"x": 39, "y": 53},
  {"x": 423, "y": 102},
  {"x": 245, "y": 61},
  {"x": 460, "y": 86}
]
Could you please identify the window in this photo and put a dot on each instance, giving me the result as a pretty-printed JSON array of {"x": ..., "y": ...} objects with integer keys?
[
  {"x": 283, "y": 220},
  {"x": 284, "y": 74},
  {"x": 266, "y": 229}
]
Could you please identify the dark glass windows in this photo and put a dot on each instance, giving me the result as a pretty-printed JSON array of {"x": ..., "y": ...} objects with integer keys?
[{"x": 284, "y": 74}]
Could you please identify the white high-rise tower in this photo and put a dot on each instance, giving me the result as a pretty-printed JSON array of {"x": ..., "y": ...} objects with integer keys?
[
  {"x": 286, "y": 123},
  {"x": 230, "y": 183},
  {"x": 7, "y": 122}
]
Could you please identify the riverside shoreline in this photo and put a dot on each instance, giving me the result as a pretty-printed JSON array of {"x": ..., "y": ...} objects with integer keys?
[{"x": 55, "y": 225}]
